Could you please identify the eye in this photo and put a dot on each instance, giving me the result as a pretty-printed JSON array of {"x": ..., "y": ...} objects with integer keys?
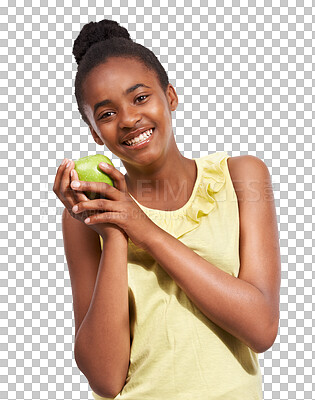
[
  {"x": 143, "y": 96},
  {"x": 105, "y": 115}
]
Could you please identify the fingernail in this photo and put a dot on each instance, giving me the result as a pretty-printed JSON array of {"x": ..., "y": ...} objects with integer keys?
[
  {"x": 75, "y": 184},
  {"x": 87, "y": 220},
  {"x": 75, "y": 208},
  {"x": 68, "y": 164},
  {"x": 64, "y": 161},
  {"x": 104, "y": 165}
]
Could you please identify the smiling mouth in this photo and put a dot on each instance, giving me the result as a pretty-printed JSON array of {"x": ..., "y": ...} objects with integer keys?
[{"x": 139, "y": 139}]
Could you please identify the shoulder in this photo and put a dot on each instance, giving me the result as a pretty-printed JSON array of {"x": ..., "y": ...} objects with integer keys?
[
  {"x": 249, "y": 174},
  {"x": 246, "y": 165}
]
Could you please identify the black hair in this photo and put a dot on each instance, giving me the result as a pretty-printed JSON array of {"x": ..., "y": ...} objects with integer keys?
[{"x": 97, "y": 42}]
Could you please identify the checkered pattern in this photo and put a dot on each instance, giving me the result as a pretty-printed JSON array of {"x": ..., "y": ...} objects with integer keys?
[{"x": 244, "y": 77}]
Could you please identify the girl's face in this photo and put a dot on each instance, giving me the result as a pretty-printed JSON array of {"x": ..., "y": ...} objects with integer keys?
[{"x": 121, "y": 96}]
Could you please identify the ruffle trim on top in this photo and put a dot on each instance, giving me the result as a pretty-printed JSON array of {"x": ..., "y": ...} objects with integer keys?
[{"x": 210, "y": 180}]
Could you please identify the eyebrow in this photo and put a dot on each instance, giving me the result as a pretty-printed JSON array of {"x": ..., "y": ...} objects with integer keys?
[{"x": 131, "y": 89}]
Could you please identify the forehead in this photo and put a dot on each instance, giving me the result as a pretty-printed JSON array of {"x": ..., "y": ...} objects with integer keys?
[{"x": 113, "y": 77}]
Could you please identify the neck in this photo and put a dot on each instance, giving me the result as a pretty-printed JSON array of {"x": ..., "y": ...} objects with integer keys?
[{"x": 168, "y": 179}]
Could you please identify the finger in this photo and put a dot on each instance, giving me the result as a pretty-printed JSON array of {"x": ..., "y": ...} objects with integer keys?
[
  {"x": 102, "y": 188},
  {"x": 68, "y": 194},
  {"x": 108, "y": 217},
  {"x": 65, "y": 189},
  {"x": 117, "y": 176},
  {"x": 56, "y": 186},
  {"x": 79, "y": 196},
  {"x": 61, "y": 185},
  {"x": 95, "y": 205}
]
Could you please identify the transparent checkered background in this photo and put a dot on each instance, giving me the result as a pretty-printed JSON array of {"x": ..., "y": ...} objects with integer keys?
[{"x": 244, "y": 76}]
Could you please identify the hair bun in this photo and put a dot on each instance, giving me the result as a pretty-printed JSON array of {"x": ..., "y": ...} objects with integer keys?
[{"x": 95, "y": 32}]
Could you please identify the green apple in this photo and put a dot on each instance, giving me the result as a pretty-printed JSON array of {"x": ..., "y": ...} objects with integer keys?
[{"x": 89, "y": 171}]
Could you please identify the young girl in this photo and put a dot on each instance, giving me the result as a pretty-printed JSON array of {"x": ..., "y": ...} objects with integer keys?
[{"x": 175, "y": 271}]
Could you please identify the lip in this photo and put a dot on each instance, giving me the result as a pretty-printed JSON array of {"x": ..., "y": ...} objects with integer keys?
[
  {"x": 142, "y": 144},
  {"x": 135, "y": 133}
]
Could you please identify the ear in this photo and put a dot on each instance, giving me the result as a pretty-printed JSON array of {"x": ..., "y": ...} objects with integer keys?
[
  {"x": 95, "y": 136},
  {"x": 172, "y": 97}
]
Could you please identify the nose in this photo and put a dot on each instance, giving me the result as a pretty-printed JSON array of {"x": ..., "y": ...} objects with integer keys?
[{"x": 129, "y": 116}]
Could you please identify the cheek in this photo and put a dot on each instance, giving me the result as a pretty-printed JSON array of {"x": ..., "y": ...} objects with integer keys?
[
  {"x": 160, "y": 111},
  {"x": 109, "y": 141}
]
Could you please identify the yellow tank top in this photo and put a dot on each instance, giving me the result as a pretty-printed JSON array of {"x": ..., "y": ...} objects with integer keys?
[{"x": 177, "y": 353}]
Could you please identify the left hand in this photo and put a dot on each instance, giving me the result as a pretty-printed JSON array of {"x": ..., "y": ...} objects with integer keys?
[{"x": 117, "y": 208}]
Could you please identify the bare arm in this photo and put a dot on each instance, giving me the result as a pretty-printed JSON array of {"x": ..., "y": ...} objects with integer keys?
[
  {"x": 100, "y": 298},
  {"x": 254, "y": 295}
]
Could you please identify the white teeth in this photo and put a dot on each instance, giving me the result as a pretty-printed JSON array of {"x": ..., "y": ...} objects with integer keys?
[{"x": 140, "y": 138}]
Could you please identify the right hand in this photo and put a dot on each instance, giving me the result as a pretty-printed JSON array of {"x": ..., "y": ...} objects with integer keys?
[{"x": 70, "y": 197}]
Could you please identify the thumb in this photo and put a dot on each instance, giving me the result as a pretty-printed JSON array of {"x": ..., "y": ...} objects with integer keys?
[{"x": 117, "y": 176}]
